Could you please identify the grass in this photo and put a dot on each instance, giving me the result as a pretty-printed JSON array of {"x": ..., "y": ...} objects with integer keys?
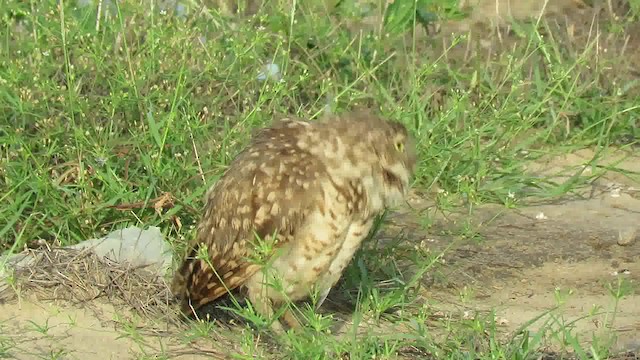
[{"x": 143, "y": 103}]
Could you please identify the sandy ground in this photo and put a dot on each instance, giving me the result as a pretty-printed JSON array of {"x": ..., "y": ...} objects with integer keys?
[{"x": 579, "y": 244}]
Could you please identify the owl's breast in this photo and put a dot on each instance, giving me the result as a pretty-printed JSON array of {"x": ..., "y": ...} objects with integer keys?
[{"x": 315, "y": 245}]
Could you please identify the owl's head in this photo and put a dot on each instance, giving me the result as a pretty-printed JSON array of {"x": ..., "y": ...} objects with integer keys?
[
  {"x": 396, "y": 152},
  {"x": 390, "y": 149}
]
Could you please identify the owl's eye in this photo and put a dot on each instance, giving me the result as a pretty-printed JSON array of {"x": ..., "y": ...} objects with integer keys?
[{"x": 400, "y": 146}]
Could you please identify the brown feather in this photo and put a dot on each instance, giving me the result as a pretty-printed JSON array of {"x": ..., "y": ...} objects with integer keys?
[
  {"x": 312, "y": 189},
  {"x": 227, "y": 231}
]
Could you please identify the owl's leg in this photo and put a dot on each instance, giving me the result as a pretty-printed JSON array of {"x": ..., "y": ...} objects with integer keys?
[
  {"x": 263, "y": 307},
  {"x": 257, "y": 294},
  {"x": 291, "y": 320}
]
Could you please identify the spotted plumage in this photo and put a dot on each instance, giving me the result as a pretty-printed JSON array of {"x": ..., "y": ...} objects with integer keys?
[{"x": 292, "y": 209}]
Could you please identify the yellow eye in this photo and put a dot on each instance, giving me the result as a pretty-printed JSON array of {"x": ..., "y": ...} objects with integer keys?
[{"x": 400, "y": 146}]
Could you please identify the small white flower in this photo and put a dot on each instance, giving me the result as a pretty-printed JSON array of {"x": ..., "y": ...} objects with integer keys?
[
  {"x": 269, "y": 70},
  {"x": 541, "y": 216},
  {"x": 511, "y": 195}
]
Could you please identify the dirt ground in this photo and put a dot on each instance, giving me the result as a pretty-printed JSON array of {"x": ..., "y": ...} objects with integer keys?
[{"x": 580, "y": 243}]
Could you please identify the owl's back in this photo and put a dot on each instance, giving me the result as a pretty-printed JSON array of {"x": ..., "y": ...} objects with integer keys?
[{"x": 270, "y": 188}]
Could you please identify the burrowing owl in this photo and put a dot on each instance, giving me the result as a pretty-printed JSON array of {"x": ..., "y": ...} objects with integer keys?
[{"x": 309, "y": 191}]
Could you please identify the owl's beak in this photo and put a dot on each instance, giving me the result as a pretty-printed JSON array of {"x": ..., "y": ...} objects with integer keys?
[{"x": 393, "y": 180}]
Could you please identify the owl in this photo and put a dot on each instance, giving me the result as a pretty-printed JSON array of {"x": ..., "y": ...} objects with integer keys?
[{"x": 287, "y": 216}]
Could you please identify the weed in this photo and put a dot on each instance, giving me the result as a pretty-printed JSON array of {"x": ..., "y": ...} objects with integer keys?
[{"x": 126, "y": 104}]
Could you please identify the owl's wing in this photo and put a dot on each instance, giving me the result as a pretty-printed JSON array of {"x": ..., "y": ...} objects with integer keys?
[{"x": 269, "y": 189}]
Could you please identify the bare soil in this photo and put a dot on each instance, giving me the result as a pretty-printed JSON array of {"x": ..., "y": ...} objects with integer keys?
[
  {"x": 521, "y": 259},
  {"x": 580, "y": 245},
  {"x": 523, "y": 256}
]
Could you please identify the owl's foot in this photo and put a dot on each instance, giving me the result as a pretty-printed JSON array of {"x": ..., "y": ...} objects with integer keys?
[
  {"x": 287, "y": 319},
  {"x": 277, "y": 327},
  {"x": 291, "y": 320}
]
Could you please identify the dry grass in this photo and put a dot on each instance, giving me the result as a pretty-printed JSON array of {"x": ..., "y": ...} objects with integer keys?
[
  {"x": 152, "y": 104},
  {"x": 84, "y": 280},
  {"x": 81, "y": 277}
]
